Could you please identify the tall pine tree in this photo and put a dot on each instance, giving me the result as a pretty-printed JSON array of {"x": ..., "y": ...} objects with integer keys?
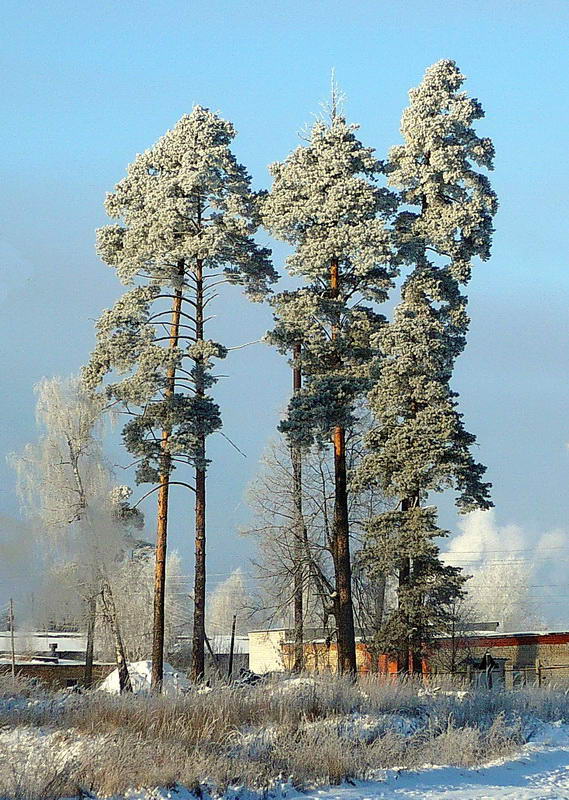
[
  {"x": 420, "y": 444},
  {"x": 327, "y": 203},
  {"x": 186, "y": 218}
]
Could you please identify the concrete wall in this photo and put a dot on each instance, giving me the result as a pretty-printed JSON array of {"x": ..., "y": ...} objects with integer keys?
[
  {"x": 322, "y": 657},
  {"x": 265, "y": 651}
]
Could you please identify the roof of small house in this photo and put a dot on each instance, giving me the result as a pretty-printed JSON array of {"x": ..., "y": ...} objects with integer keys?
[
  {"x": 35, "y": 641},
  {"x": 221, "y": 643}
]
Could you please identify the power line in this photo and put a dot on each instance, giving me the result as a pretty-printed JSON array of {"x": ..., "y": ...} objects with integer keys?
[
  {"x": 481, "y": 560},
  {"x": 513, "y": 549}
]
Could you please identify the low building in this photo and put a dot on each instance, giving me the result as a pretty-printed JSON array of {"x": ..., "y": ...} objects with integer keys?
[
  {"x": 528, "y": 657},
  {"x": 220, "y": 645},
  {"x": 266, "y": 651},
  {"x": 44, "y": 644},
  {"x": 59, "y": 674},
  {"x": 53, "y": 658},
  {"x": 273, "y": 651},
  {"x": 516, "y": 659}
]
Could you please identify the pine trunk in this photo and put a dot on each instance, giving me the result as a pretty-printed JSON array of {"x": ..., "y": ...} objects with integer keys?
[
  {"x": 342, "y": 564},
  {"x": 416, "y": 640},
  {"x": 411, "y": 660},
  {"x": 341, "y": 534},
  {"x": 162, "y": 525},
  {"x": 89, "y": 649},
  {"x": 198, "y": 656},
  {"x": 299, "y": 531}
]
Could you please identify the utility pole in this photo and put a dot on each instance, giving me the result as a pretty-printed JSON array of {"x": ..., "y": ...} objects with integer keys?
[
  {"x": 299, "y": 529},
  {"x": 231, "y": 647},
  {"x": 12, "y": 639}
]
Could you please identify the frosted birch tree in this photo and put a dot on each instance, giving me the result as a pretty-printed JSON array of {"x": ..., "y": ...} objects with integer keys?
[
  {"x": 300, "y": 534},
  {"x": 186, "y": 215},
  {"x": 229, "y": 598},
  {"x": 420, "y": 444},
  {"x": 273, "y": 501},
  {"x": 502, "y": 592},
  {"x": 67, "y": 487},
  {"x": 133, "y": 589},
  {"x": 327, "y": 203}
]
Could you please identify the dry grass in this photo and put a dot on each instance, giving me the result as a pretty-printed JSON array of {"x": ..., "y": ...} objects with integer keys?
[{"x": 313, "y": 732}]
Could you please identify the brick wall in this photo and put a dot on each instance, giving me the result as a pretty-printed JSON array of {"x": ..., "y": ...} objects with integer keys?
[
  {"x": 58, "y": 676},
  {"x": 522, "y": 653},
  {"x": 322, "y": 657},
  {"x": 522, "y": 650},
  {"x": 540, "y": 658}
]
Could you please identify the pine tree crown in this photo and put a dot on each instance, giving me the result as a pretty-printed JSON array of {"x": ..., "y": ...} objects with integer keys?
[
  {"x": 183, "y": 199},
  {"x": 327, "y": 201},
  {"x": 185, "y": 208},
  {"x": 420, "y": 444}
]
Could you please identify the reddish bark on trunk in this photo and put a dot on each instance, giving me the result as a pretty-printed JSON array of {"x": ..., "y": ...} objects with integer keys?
[
  {"x": 162, "y": 523},
  {"x": 198, "y": 640}
]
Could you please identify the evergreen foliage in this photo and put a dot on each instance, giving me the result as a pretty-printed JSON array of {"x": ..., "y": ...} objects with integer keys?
[
  {"x": 184, "y": 218},
  {"x": 419, "y": 444},
  {"x": 187, "y": 215},
  {"x": 326, "y": 201},
  {"x": 184, "y": 200}
]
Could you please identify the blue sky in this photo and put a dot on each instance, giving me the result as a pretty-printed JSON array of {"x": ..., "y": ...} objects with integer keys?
[{"x": 88, "y": 85}]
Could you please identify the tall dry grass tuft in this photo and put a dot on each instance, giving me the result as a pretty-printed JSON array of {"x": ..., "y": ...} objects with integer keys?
[{"x": 313, "y": 730}]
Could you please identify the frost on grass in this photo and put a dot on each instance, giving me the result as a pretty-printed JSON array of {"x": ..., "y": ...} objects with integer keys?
[{"x": 314, "y": 732}]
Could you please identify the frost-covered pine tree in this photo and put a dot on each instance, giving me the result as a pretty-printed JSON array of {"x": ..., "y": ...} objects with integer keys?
[
  {"x": 186, "y": 215},
  {"x": 420, "y": 444},
  {"x": 326, "y": 202}
]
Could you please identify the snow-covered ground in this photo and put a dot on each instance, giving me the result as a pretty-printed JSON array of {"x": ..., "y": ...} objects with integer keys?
[
  {"x": 540, "y": 771},
  {"x": 174, "y": 681},
  {"x": 311, "y": 729}
]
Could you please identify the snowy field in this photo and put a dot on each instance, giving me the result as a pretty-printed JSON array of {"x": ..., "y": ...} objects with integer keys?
[
  {"x": 299, "y": 739},
  {"x": 539, "y": 772}
]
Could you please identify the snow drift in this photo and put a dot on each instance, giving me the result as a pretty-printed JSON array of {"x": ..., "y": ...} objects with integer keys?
[{"x": 174, "y": 682}]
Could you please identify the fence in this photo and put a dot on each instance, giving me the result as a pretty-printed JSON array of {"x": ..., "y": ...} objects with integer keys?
[{"x": 510, "y": 676}]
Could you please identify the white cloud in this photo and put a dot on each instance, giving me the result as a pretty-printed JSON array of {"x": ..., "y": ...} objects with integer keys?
[{"x": 520, "y": 577}]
